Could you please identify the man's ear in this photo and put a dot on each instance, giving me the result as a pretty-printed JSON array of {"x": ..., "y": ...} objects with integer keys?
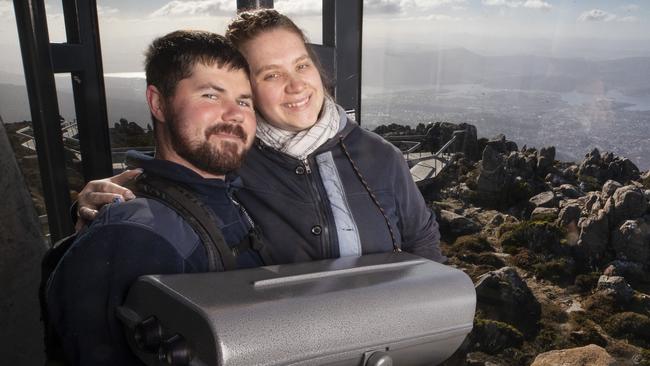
[{"x": 156, "y": 103}]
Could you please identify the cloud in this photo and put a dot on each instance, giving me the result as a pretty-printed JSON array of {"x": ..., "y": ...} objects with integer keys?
[
  {"x": 630, "y": 8},
  {"x": 106, "y": 10},
  {"x": 382, "y": 7},
  {"x": 196, "y": 8},
  {"x": 6, "y": 10},
  {"x": 537, "y": 4},
  {"x": 303, "y": 7},
  {"x": 627, "y": 19},
  {"x": 404, "y": 7},
  {"x": 598, "y": 15},
  {"x": 529, "y": 4}
]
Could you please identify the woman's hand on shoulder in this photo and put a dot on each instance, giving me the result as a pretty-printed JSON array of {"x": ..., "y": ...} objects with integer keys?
[{"x": 98, "y": 193}]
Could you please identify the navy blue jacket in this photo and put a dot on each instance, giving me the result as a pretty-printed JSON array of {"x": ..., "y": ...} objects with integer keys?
[
  {"x": 128, "y": 240},
  {"x": 322, "y": 207}
]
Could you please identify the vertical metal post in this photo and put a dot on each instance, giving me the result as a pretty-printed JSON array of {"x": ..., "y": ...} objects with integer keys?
[
  {"x": 342, "y": 33},
  {"x": 82, "y": 29},
  {"x": 243, "y": 5},
  {"x": 39, "y": 77},
  {"x": 80, "y": 56}
]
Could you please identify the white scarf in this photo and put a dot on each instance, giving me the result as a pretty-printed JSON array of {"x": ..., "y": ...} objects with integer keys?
[{"x": 300, "y": 144}]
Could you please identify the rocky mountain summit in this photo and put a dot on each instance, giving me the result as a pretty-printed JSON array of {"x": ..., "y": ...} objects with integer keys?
[{"x": 559, "y": 252}]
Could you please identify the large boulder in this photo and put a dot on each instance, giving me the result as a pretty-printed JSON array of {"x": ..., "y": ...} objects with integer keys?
[
  {"x": 502, "y": 295},
  {"x": 631, "y": 240},
  {"x": 545, "y": 158},
  {"x": 492, "y": 176},
  {"x": 569, "y": 191},
  {"x": 597, "y": 168},
  {"x": 628, "y": 202},
  {"x": 615, "y": 286},
  {"x": 591, "y": 355},
  {"x": 456, "y": 224},
  {"x": 594, "y": 234},
  {"x": 441, "y": 132},
  {"x": 569, "y": 215},
  {"x": 610, "y": 187},
  {"x": 544, "y": 199}
]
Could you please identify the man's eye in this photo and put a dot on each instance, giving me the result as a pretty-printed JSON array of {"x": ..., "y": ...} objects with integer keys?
[
  {"x": 271, "y": 76},
  {"x": 244, "y": 103}
]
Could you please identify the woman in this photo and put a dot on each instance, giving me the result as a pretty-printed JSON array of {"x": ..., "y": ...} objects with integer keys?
[{"x": 316, "y": 184}]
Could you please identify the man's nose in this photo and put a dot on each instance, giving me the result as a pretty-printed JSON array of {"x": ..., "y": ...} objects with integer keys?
[{"x": 232, "y": 112}]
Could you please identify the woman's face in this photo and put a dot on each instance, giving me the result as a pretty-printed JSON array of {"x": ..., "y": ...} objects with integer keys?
[{"x": 287, "y": 87}]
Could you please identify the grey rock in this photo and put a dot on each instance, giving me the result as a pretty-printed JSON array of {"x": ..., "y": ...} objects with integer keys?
[
  {"x": 594, "y": 234},
  {"x": 457, "y": 224},
  {"x": 569, "y": 191},
  {"x": 492, "y": 175},
  {"x": 631, "y": 240},
  {"x": 544, "y": 213},
  {"x": 545, "y": 158},
  {"x": 569, "y": 215},
  {"x": 610, "y": 187},
  {"x": 615, "y": 286},
  {"x": 544, "y": 199},
  {"x": 502, "y": 295},
  {"x": 626, "y": 203}
]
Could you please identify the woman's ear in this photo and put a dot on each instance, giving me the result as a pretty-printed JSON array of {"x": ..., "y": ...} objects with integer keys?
[{"x": 156, "y": 103}]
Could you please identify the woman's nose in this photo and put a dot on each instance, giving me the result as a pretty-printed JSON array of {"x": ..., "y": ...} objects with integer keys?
[{"x": 295, "y": 85}]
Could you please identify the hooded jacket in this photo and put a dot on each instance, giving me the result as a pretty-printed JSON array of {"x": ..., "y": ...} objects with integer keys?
[{"x": 323, "y": 207}]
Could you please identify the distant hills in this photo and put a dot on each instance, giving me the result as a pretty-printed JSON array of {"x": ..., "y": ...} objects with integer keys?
[
  {"x": 461, "y": 66},
  {"x": 125, "y": 99}
]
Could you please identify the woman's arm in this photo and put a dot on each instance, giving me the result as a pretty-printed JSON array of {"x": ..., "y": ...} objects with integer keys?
[{"x": 99, "y": 192}]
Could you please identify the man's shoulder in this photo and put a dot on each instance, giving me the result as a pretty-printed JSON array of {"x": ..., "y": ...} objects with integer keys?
[{"x": 145, "y": 214}]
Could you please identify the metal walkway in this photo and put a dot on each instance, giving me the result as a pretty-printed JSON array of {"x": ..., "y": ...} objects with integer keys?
[{"x": 425, "y": 166}]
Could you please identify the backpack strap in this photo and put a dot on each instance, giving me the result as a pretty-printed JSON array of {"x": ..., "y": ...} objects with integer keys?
[{"x": 200, "y": 217}]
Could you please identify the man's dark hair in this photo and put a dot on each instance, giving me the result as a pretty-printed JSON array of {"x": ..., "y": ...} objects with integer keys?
[
  {"x": 171, "y": 58},
  {"x": 249, "y": 24}
]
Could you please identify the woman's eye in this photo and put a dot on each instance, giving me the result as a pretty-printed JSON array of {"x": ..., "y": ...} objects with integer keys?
[
  {"x": 303, "y": 66},
  {"x": 211, "y": 96}
]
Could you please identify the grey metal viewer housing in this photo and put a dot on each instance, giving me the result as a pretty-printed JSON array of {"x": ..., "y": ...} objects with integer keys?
[{"x": 376, "y": 310}]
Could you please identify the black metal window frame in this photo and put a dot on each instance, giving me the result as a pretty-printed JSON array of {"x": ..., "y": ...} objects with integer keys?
[{"x": 340, "y": 55}]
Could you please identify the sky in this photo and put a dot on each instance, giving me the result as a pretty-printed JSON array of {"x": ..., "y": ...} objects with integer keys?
[{"x": 562, "y": 28}]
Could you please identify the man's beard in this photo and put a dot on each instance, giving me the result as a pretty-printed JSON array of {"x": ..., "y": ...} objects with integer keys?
[{"x": 218, "y": 158}]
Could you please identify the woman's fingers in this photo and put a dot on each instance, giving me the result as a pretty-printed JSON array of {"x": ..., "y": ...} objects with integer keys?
[
  {"x": 125, "y": 176},
  {"x": 97, "y": 193}
]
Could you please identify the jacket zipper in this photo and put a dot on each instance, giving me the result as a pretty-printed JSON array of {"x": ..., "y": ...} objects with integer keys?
[{"x": 325, "y": 238}]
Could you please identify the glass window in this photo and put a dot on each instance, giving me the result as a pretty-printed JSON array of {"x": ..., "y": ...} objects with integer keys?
[{"x": 567, "y": 73}]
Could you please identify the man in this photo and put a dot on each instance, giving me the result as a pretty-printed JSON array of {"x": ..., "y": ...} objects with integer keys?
[{"x": 199, "y": 96}]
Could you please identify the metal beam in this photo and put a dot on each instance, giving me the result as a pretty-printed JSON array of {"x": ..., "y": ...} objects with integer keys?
[
  {"x": 39, "y": 77},
  {"x": 82, "y": 30},
  {"x": 243, "y": 5},
  {"x": 342, "y": 36}
]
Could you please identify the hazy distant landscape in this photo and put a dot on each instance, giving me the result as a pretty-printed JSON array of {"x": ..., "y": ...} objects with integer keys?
[{"x": 572, "y": 103}]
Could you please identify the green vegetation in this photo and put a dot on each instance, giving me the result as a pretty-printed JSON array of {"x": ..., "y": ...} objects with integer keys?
[{"x": 633, "y": 327}]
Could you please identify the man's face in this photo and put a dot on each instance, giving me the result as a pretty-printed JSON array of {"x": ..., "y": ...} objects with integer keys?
[{"x": 210, "y": 118}]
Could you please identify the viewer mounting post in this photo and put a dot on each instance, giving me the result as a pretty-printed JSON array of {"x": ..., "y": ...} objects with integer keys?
[{"x": 80, "y": 56}]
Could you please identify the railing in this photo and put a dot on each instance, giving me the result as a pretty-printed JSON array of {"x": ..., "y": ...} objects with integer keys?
[{"x": 425, "y": 165}]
